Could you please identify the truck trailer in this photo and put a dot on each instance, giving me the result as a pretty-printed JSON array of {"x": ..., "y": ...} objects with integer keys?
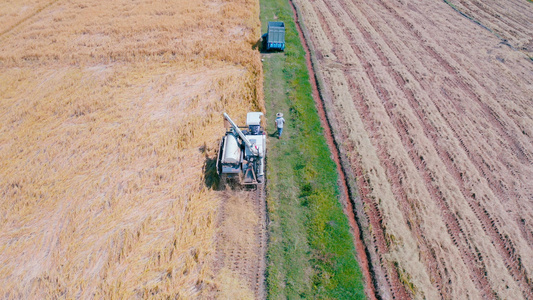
[{"x": 274, "y": 39}]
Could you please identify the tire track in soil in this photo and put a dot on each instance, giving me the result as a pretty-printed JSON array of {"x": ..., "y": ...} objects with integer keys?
[
  {"x": 262, "y": 239},
  {"x": 378, "y": 245},
  {"x": 482, "y": 166},
  {"x": 487, "y": 85},
  {"x": 431, "y": 131},
  {"x": 511, "y": 5},
  {"x": 501, "y": 26},
  {"x": 503, "y": 244},
  {"x": 454, "y": 229},
  {"x": 506, "y": 248},
  {"x": 492, "y": 116},
  {"x": 374, "y": 207},
  {"x": 450, "y": 83},
  {"x": 488, "y": 223},
  {"x": 513, "y": 268},
  {"x": 493, "y": 23},
  {"x": 375, "y": 219},
  {"x": 370, "y": 290},
  {"x": 392, "y": 170},
  {"x": 453, "y": 226}
]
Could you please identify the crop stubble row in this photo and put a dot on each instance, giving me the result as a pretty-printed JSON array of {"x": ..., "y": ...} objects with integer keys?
[
  {"x": 507, "y": 19},
  {"x": 436, "y": 143},
  {"x": 242, "y": 241}
]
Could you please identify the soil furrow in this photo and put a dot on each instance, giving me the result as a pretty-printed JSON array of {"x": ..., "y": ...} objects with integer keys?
[
  {"x": 436, "y": 119},
  {"x": 394, "y": 174},
  {"x": 494, "y": 117},
  {"x": 514, "y": 265},
  {"x": 483, "y": 167}
]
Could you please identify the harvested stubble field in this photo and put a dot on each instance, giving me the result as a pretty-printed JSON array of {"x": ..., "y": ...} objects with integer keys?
[
  {"x": 110, "y": 120},
  {"x": 432, "y": 108}
]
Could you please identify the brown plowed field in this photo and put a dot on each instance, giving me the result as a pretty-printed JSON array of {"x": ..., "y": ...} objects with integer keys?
[{"x": 431, "y": 104}]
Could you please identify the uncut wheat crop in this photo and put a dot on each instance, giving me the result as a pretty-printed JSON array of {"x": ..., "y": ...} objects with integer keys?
[{"x": 110, "y": 111}]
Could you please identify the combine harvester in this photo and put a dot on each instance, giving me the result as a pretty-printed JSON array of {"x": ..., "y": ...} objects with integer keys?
[{"x": 242, "y": 152}]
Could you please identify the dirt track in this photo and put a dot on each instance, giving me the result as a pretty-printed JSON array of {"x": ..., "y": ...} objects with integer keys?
[
  {"x": 241, "y": 243},
  {"x": 433, "y": 112}
]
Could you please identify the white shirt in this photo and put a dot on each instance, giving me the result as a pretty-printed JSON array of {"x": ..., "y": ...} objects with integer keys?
[{"x": 279, "y": 122}]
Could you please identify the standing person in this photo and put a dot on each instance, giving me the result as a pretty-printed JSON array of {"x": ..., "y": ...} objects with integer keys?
[{"x": 279, "y": 123}]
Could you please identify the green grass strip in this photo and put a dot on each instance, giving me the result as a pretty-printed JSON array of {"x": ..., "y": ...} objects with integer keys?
[{"x": 311, "y": 252}]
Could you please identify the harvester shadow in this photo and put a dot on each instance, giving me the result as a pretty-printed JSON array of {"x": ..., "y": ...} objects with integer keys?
[{"x": 211, "y": 179}]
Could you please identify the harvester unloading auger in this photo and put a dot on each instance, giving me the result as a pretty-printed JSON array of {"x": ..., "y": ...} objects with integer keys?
[{"x": 242, "y": 153}]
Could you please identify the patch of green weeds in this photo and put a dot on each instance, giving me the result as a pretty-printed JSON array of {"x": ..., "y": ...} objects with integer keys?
[{"x": 311, "y": 252}]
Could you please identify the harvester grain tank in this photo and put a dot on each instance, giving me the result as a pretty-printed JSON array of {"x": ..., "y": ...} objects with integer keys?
[
  {"x": 242, "y": 151},
  {"x": 274, "y": 39}
]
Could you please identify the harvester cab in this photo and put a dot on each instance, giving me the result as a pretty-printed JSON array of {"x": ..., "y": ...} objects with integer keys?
[{"x": 242, "y": 151}]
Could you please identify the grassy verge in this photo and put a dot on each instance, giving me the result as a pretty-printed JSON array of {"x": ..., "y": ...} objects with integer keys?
[{"x": 311, "y": 252}]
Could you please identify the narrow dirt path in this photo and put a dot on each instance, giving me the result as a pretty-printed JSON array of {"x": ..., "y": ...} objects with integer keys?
[
  {"x": 241, "y": 243},
  {"x": 262, "y": 240}
]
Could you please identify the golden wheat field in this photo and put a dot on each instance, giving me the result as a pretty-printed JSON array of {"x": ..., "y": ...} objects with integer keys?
[
  {"x": 431, "y": 104},
  {"x": 110, "y": 111}
]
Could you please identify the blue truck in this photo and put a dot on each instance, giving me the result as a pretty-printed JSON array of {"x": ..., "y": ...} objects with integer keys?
[{"x": 274, "y": 39}]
